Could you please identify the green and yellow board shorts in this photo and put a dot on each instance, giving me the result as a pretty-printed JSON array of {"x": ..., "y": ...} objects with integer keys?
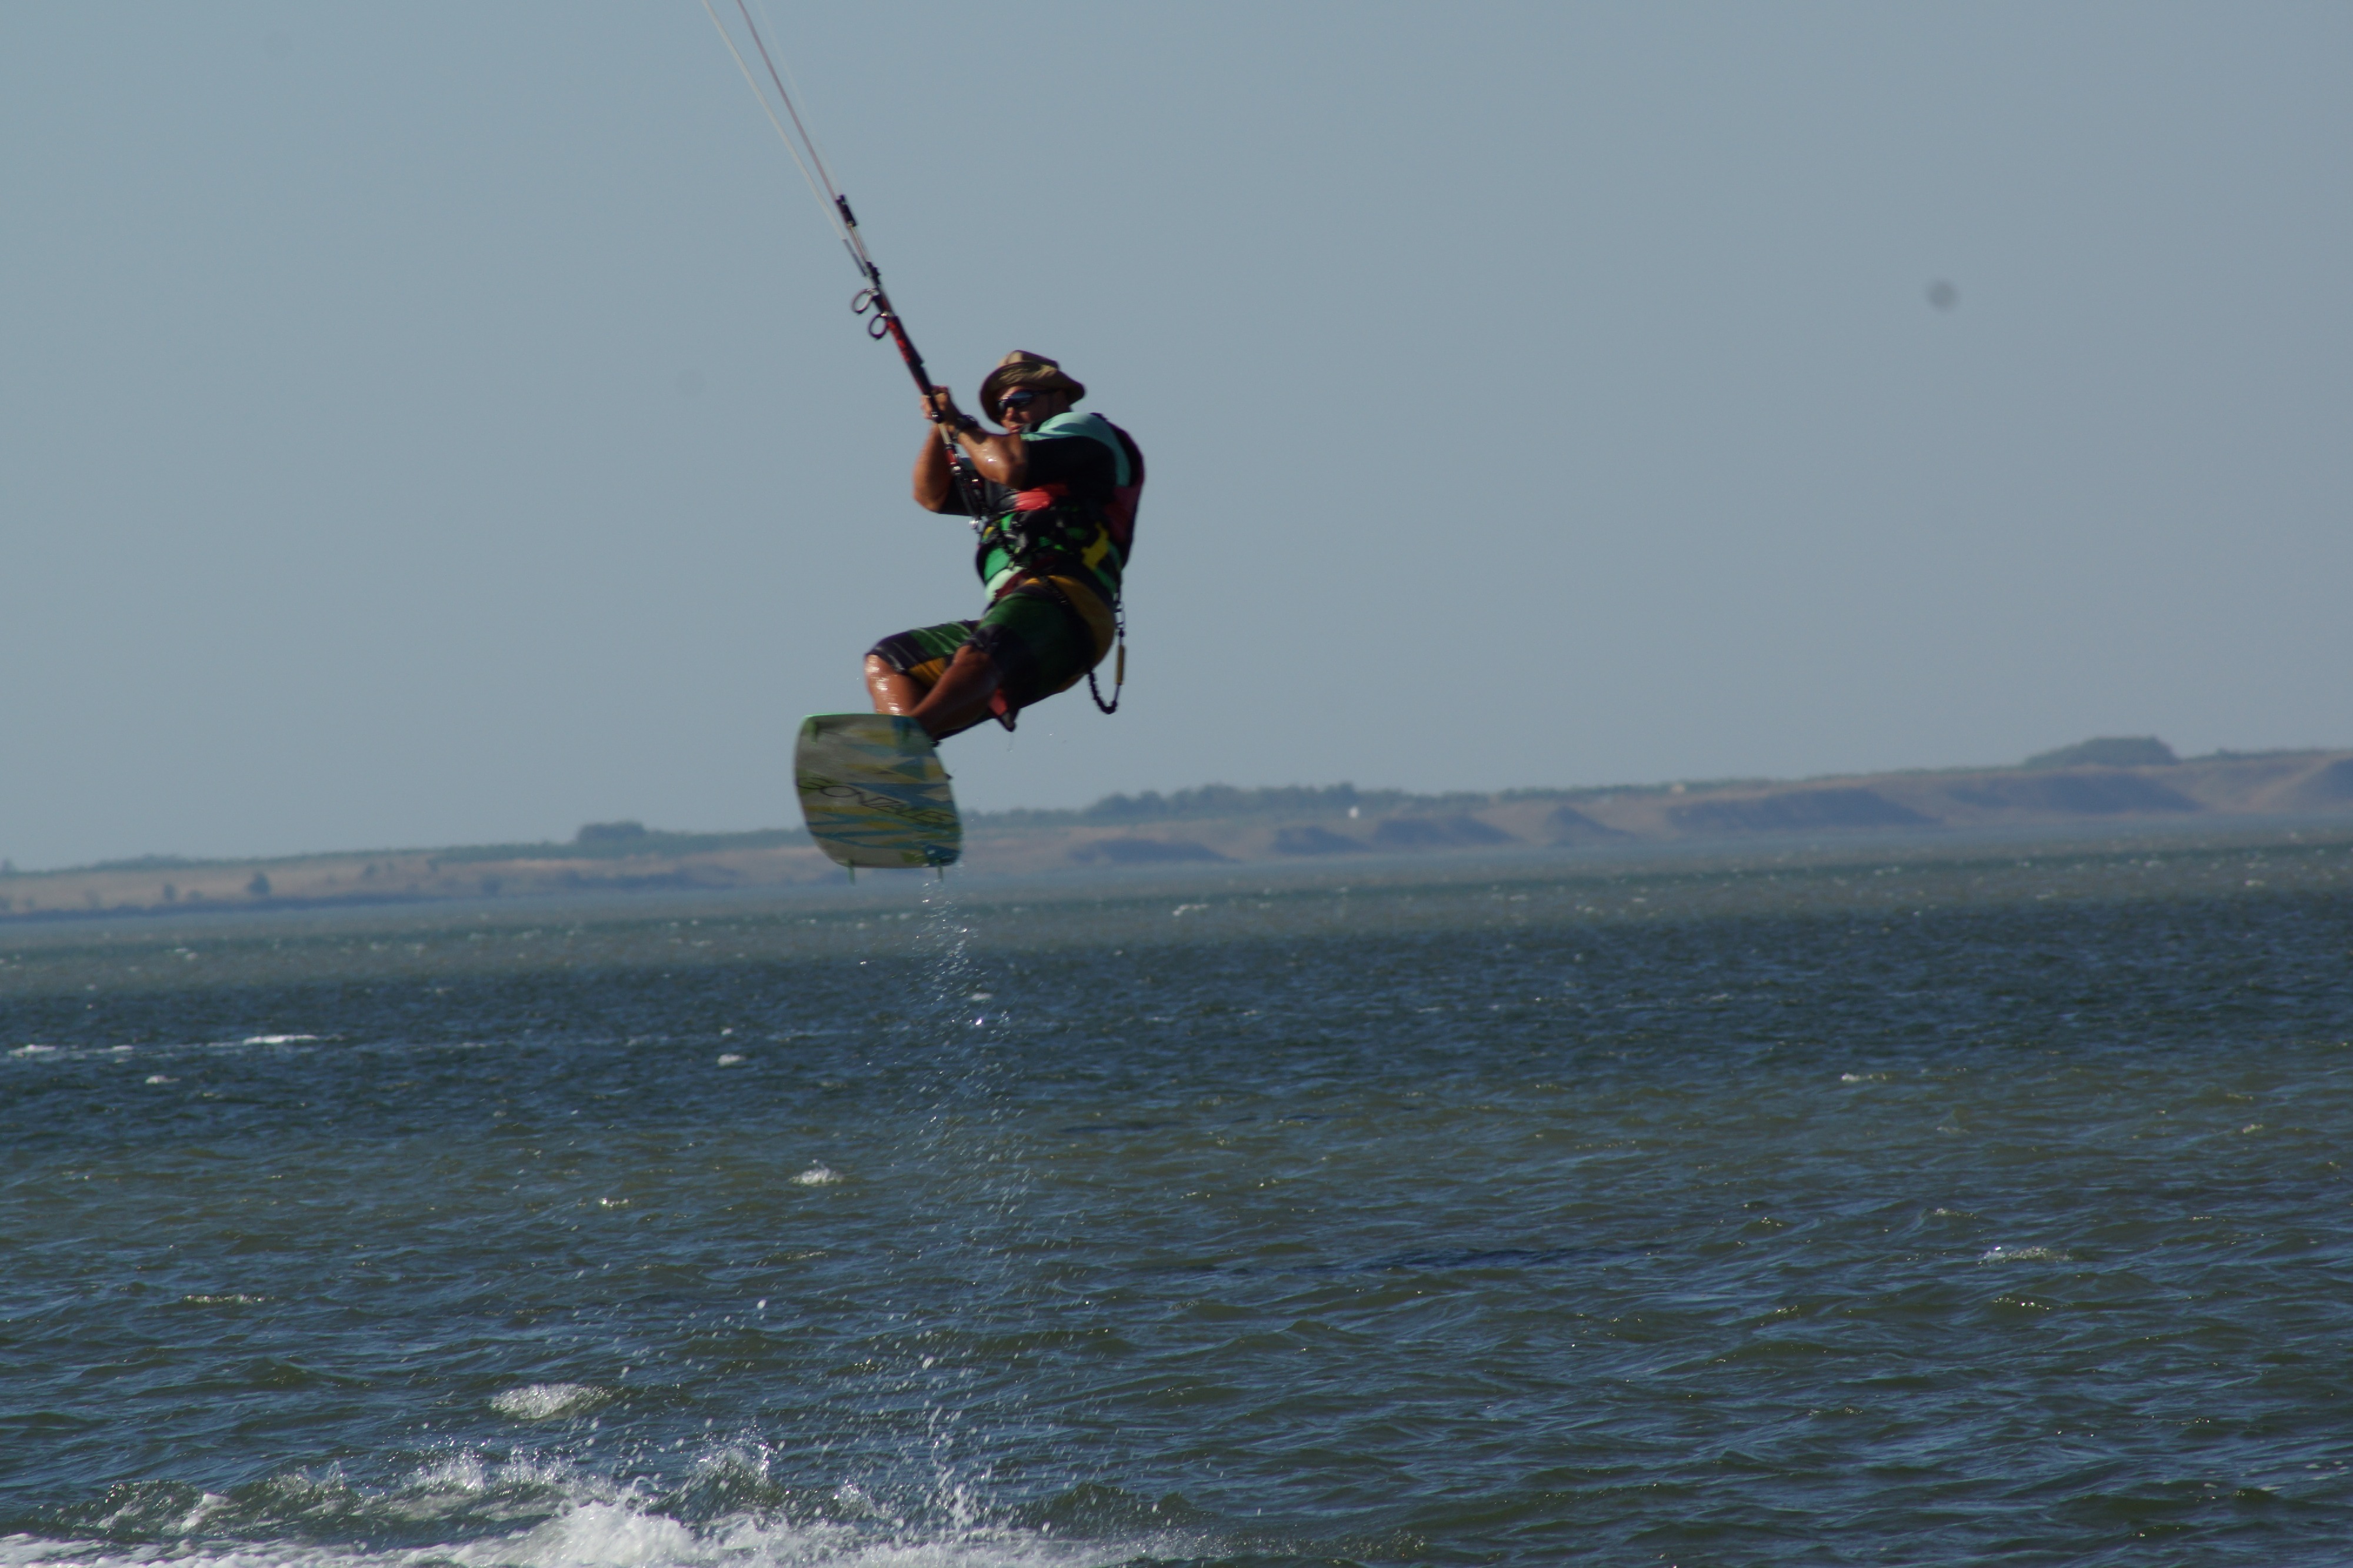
[{"x": 1042, "y": 639}]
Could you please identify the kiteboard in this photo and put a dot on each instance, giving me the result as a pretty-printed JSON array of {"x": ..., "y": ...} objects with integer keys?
[{"x": 873, "y": 792}]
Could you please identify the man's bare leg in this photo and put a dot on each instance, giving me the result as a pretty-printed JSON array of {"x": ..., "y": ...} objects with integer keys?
[
  {"x": 959, "y": 700},
  {"x": 892, "y": 690},
  {"x": 956, "y": 701}
]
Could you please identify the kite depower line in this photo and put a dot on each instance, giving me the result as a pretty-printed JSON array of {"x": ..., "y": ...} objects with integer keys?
[{"x": 871, "y": 301}]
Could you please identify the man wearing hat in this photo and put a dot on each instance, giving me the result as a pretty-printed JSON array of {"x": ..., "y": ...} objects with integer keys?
[{"x": 1055, "y": 496}]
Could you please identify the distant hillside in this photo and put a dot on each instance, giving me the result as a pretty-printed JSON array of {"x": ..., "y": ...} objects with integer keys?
[
  {"x": 2108, "y": 751},
  {"x": 2100, "y": 781},
  {"x": 1245, "y": 824}
]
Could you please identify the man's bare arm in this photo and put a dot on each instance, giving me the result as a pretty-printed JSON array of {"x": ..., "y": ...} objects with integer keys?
[
  {"x": 934, "y": 480},
  {"x": 1002, "y": 458}
]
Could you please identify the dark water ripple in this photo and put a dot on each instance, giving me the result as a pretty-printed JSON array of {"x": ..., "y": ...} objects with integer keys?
[{"x": 1435, "y": 1227}]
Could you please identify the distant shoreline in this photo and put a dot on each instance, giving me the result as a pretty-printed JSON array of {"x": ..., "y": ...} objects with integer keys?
[{"x": 1221, "y": 824}]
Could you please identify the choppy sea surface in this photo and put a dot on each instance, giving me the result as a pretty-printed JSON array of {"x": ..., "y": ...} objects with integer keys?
[{"x": 1868, "y": 1209}]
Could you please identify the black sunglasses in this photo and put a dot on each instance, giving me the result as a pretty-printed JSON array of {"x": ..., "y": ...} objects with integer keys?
[{"x": 1016, "y": 399}]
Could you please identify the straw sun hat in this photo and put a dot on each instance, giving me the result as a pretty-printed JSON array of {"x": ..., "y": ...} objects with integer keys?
[{"x": 1035, "y": 372}]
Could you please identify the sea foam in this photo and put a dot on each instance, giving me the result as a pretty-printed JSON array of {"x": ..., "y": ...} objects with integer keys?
[
  {"x": 613, "y": 1534},
  {"x": 549, "y": 1401}
]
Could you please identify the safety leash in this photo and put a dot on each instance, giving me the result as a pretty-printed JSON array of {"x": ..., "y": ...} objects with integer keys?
[{"x": 1119, "y": 662}]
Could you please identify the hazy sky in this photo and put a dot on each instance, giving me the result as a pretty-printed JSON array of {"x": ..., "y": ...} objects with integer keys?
[{"x": 443, "y": 423}]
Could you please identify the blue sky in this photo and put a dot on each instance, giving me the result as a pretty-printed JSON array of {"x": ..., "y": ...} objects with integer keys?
[{"x": 438, "y": 423}]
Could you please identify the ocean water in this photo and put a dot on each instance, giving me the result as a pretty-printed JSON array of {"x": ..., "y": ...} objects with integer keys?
[{"x": 1988, "y": 1207}]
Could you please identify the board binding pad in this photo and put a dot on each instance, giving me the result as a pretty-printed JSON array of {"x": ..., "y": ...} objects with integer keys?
[{"x": 873, "y": 792}]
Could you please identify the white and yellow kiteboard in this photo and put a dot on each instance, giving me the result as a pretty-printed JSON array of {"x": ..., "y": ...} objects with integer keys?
[{"x": 873, "y": 792}]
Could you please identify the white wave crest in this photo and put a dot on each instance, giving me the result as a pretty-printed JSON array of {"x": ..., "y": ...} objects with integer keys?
[
  {"x": 608, "y": 1534},
  {"x": 549, "y": 1401},
  {"x": 594, "y": 1535}
]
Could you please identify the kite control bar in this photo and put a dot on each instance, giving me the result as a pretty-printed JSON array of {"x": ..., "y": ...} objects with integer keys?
[{"x": 873, "y": 301}]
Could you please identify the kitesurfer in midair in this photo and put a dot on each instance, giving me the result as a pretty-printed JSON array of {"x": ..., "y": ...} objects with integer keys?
[{"x": 1056, "y": 495}]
